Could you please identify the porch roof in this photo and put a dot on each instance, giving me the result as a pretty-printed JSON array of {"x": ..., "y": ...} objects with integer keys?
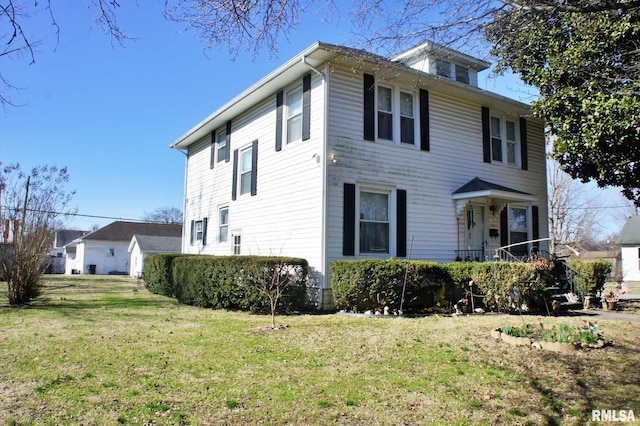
[{"x": 500, "y": 195}]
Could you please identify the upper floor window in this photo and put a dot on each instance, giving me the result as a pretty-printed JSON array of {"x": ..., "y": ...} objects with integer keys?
[
  {"x": 443, "y": 68},
  {"x": 221, "y": 138},
  {"x": 407, "y": 122},
  {"x": 504, "y": 139},
  {"x": 246, "y": 167},
  {"x": 396, "y": 115},
  {"x": 294, "y": 114},
  {"x": 385, "y": 113},
  {"x": 462, "y": 74}
]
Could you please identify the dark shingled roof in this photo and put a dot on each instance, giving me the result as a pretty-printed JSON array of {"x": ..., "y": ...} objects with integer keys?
[
  {"x": 124, "y": 231},
  {"x": 158, "y": 243},
  {"x": 630, "y": 234},
  {"x": 65, "y": 236},
  {"x": 476, "y": 184}
]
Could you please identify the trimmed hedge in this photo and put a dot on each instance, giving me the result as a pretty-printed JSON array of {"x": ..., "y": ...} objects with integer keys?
[
  {"x": 158, "y": 277},
  {"x": 512, "y": 286},
  {"x": 224, "y": 282},
  {"x": 592, "y": 275},
  {"x": 361, "y": 285}
]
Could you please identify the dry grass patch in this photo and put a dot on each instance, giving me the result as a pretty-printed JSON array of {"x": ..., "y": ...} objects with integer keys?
[{"x": 102, "y": 350}]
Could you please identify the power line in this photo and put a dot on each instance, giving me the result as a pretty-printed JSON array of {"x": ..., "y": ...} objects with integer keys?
[{"x": 83, "y": 215}]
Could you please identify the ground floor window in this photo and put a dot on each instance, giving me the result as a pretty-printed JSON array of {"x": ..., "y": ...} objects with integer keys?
[
  {"x": 518, "y": 230},
  {"x": 223, "y": 223},
  {"x": 237, "y": 244},
  {"x": 374, "y": 222}
]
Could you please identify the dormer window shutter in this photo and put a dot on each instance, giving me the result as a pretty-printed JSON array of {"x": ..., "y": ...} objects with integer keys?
[
  {"x": 306, "y": 107},
  {"x": 369, "y": 86},
  {"x": 524, "y": 155},
  {"x": 486, "y": 135},
  {"x": 424, "y": 120},
  {"x": 228, "y": 157},
  {"x": 279, "y": 108}
]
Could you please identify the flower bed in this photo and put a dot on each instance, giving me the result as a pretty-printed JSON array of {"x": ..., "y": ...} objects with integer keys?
[{"x": 559, "y": 338}]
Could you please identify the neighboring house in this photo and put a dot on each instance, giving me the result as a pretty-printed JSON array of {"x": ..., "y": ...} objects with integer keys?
[
  {"x": 56, "y": 260},
  {"x": 106, "y": 251},
  {"x": 342, "y": 154},
  {"x": 629, "y": 241},
  {"x": 142, "y": 246}
]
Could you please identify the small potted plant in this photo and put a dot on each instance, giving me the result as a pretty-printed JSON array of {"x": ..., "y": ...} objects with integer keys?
[{"x": 609, "y": 301}]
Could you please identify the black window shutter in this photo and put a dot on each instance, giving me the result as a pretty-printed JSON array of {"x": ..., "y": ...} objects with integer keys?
[
  {"x": 524, "y": 155},
  {"x": 424, "y": 120},
  {"x": 535, "y": 225},
  {"x": 234, "y": 183},
  {"x": 306, "y": 107},
  {"x": 486, "y": 135},
  {"x": 349, "y": 220},
  {"x": 204, "y": 231},
  {"x": 279, "y": 108},
  {"x": 401, "y": 225},
  {"x": 212, "y": 161},
  {"x": 369, "y": 88},
  {"x": 228, "y": 157},
  {"x": 254, "y": 167},
  {"x": 504, "y": 226},
  {"x": 193, "y": 232}
]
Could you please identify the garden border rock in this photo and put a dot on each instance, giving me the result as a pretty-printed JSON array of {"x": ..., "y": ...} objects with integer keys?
[{"x": 559, "y": 347}]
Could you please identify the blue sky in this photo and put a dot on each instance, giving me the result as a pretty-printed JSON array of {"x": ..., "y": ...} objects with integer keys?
[{"x": 109, "y": 113}]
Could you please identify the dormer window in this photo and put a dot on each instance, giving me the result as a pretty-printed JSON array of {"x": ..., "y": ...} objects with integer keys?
[
  {"x": 462, "y": 74},
  {"x": 443, "y": 68}
]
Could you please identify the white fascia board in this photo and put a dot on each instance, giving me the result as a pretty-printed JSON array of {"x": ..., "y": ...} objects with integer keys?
[
  {"x": 495, "y": 193},
  {"x": 268, "y": 85}
]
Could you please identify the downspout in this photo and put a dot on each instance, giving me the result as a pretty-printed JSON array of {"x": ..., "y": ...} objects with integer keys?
[
  {"x": 184, "y": 196},
  {"x": 323, "y": 207}
]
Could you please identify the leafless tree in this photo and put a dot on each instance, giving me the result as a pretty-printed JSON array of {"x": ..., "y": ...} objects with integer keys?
[
  {"x": 573, "y": 212},
  {"x": 31, "y": 207},
  {"x": 164, "y": 215}
]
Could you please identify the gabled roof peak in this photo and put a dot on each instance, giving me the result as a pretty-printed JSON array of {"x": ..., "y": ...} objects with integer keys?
[{"x": 432, "y": 49}]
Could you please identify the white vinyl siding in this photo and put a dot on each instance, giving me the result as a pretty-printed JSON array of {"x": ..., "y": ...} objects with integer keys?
[
  {"x": 455, "y": 157},
  {"x": 289, "y": 183}
]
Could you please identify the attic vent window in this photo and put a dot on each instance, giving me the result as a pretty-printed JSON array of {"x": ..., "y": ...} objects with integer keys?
[
  {"x": 443, "y": 68},
  {"x": 462, "y": 74}
]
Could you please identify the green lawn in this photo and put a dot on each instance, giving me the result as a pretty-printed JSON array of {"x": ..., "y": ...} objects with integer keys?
[{"x": 102, "y": 350}]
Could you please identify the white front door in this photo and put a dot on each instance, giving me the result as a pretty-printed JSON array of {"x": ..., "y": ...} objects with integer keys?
[{"x": 475, "y": 232}]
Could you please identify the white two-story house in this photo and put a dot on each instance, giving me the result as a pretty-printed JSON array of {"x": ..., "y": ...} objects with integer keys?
[{"x": 343, "y": 154}]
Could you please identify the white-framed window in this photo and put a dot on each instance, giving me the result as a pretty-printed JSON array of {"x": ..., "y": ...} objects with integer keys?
[
  {"x": 294, "y": 114},
  {"x": 407, "y": 120},
  {"x": 246, "y": 167},
  {"x": 237, "y": 243},
  {"x": 518, "y": 229},
  {"x": 505, "y": 144},
  {"x": 443, "y": 68},
  {"x": 396, "y": 112},
  {"x": 223, "y": 146},
  {"x": 199, "y": 229},
  {"x": 111, "y": 252},
  {"x": 374, "y": 221},
  {"x": 462, "y": 74},
  {"x": 512, "y": 143},
  {"x": 223, "y": 224}
]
